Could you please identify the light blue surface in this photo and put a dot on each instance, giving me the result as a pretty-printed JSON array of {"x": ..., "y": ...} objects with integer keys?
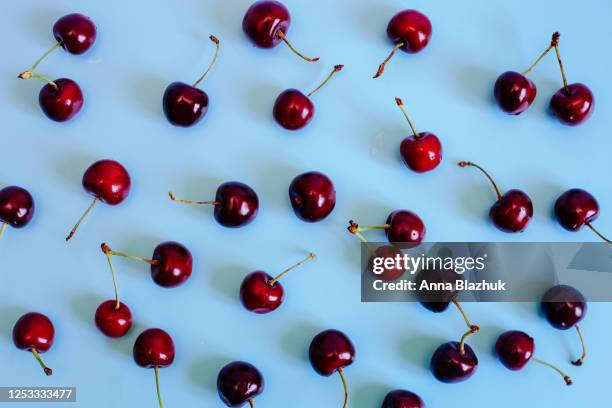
[{"x": 354, "y": 138}]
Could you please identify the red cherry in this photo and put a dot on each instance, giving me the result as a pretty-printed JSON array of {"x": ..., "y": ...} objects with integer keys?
[
  {"x": 113, "y": 318},
  {"x": 312, "y": 196},
  {"x": 34, "y": 332},
  {"x": 402, "y": 399},
  {"x": 402, "y": 226},
  {"x": 409, "y": 31},
  {"x": 576, "y": 208},
  {"x": 154, "y": 348},
  {"x": 453, "y": 362},
  {"x": 16, "y": 207},
  {"x": 239, "y": 382},
  {"x": 61, "y": 99},
  {"x": 75, "y": 33},
  {"x": 390, "y": 273},
  {"x": 108, "y": 181}
]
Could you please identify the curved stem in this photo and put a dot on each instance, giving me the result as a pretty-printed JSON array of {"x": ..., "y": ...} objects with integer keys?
[
  {"x": 212, "y": 63},
  {"x": 30, "y": 72},
  {"x": 159, "y": 398},
  {"x": 46, "y": 54},
  {"x": 109, "y": 252},
  {"x": 381, "y": 67},
  {"x": 179, "y": 200},
  {"x": 464, "y": 164},
  {"x": 400, "y": 103},
  {"x": 345, "y": 387},
  {"x": 251, "y": 403},
  {"x": 473, "y": 328},
  {"x": 46, "y": 369},
  {"x": 462, "y": 341},
  {"x": 599, "y": 234},
  {"x": 583, "y": 356},
  {"x": 553, "y": 43},
  {"x": 110, "y": 264},
  {"x": 280, "y": 34},
  {"x": 286, "y": 271},
  {"x": 567, "y": 378},
  {"x": 76, "y": 226},
  {"x": 2, "y": 228},
  {"x": 337, "y": 68}
]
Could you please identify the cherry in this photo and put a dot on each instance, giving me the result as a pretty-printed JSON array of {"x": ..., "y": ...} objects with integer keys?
[
  {"x": 16, "y": 207},
  {"x": 390, "y": 273},
  {"x": 261, "y": 293},
  {"x": 402, "y": 227},
  {"x": 75, "y": 33},
  {"x": 564, "y": 307},
  {"x": 61, "y": 99},
  {"x": 266, "y": 24},
  {"x": 154, "y": 349},
  {"x": 185, "y": 105},
  {"x": 331, "y": 351},
  {"x": 422, "y": 151},
  {"x": 293, "y": 110},
  {"x": 454, "y": 361},
  {"x": 409, "y": 31},
  {"x": 108, "y": 181},
  {"x": 512, "y": 211},
  {"x": 402, "y": 399},
  {"x": 171, "y": 263},
  {"x": 238, "y": 383},
  {"x": 236, "y": 204},
  {"x": 34, "y": 332},
  {"x": 576, "y": 208},
  {"x": 113, "y": 318},
  {"x": 573, "y": 104},
  {"x": 515, "y": 349},
  {"x": 312, "y": 196}
]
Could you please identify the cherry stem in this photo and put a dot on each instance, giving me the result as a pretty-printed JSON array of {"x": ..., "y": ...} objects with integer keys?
[
  {"x": 567, "y": 378},
  {"x": 381, "y": 67},
  {"x": 554, "y": 42},
  {"x": 337, "y": 68},
  {"x": 2, "y": 228},
  {"x": 251, "y": 403},
  {"x": 341, "y": 372},
  {"x": 599, "y": 234},
  {"x": 46, "y": 369},
  {"x": 400, "y": 103},
  {"x": 109, "y": 252},
  {"x": 280, "y": 34},
  {"x": 310, "y": 256},
  {"x": 179, "y": 200},
  {"x": 583, "y": 356},
  {"x": 76, "y": 226},
  {"x": 159, "y": 398},
  {"x": 464, "y": 164},
  {"x": 354, "y": 229},
  {"x": 212, "y": 63},
  {"x": 465, "y": 336},
  {"x": 30, "y": 72},
  {"x": 473, "y": 328}
]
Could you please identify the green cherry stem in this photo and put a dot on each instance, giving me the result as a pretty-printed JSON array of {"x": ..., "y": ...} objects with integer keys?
[
  {"x": 337, "y": 68},
  {"x": 344, "y": 384},
  {"x": 473, "y": 328},
  {"x": 582, "y": 343},
  {"x": 30, "y": 72},
  {"x": 286, "y": 271},
  {"x": 280, "y": 34},
  {"x": 400, "y": 103},
  {"x": 46, "y": 369},
  {"x": 180, "y": 200},
  {"x": 107, "y": 251},
  {"x": 2, "y": 228},
  {"x": 212, "y": 63},
  {"x": 157, "y": 388},
  {"x": 497, "y": 191},
  {"x": 76, "y": 226},
  {"x": 567, "y": 378},
  {"x": 553, "y": 44}
]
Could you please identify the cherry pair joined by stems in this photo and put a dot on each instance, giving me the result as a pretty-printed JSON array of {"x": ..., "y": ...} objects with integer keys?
[
  {"x": 239, "y": 383},
  {"x": 293, "y": 110},
  {"x": 576, "y": 208},
  {"x": 34, "y": 332},
  {"x": 266, "y": 24},
  {"x": 454, "y": 362},
  {"x": 16, "y": 207},
  {"x": 261, "y": 293},
  {"x": 312, "y": 196},
  {"x": 154, "y": 348}
]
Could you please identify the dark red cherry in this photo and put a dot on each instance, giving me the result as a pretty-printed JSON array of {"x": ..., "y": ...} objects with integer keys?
[
  {"x": 573, "y": 105},
  {"x": 576, "y": 208},
  {"x": 404, "y": 226},
  {"x": 409, "y": 31},
  {"x": 453, "y": 363},
  {"x": 514, "y": 92},
  {"x": 172, "y": 264},
  {"x": 154, "y": 349},
  {"x": 185, "y": 105},
  {"x": 16, "y": 207},
  {"x": 312, "y": 196},
  {"x": 108, "y": 181},
  {"x": 388, "y": 269},
  {"x": 238, "y": 383},
  {"x": 61, "y": 99},
  {"x": 34, "y": 332},
  {"x": 75, "y": 32},
  {"x": 512, "y": 211},
  {"x": 402, "y": 399},
  {"x": 113, "y": 318}
]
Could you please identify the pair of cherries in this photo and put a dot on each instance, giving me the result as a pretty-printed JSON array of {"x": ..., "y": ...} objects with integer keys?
[
  {"x": 62, "y": 99},
  {"x": 514, "y": 93}
]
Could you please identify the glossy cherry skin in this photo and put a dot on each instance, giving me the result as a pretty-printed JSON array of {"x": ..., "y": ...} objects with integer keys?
[
  {"x": 410, "y": 27},
  {"x": 257, "y": 295},
  {"x": 402, "y": 399},
  {"x": 111, "y": 321},
  {"x": 514, "y": 349},
  {"x": 173, "y": 264},
  {"x": 263, "y": 20},
  {"x": 238, "y": 206},
  {"x": 312, "y": 196},
  {"x": 422, "y": 153},
  {"x": 293, "y": 110},
  {"x": 108, "y": 181},
  {"x": 153, "y": 348},
  {"x": 514, "y": 92},
  {"x": 405, "y": 227},
  {"x": 576, "y": 207},
  {"x": 184, "y": 105},
  {"x": 62, "y": 103},
  {"x": 449, "y": 365},
  {"x": 389, "y": 274},
  {"x": 574, "y": 108},
  {"x": 512, "y": 212},
  {"x": 238, "y": 382},
  {"x": 563, "y": 306},
  {"x": 16, "y": 206},
  {"x": 75, "y": 32},
  {"x": 33, "y": 331},
  {"x": 329, "y": 351}
]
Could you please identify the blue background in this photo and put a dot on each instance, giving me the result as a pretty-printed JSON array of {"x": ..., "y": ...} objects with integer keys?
[{"x": 354, "y": 138}]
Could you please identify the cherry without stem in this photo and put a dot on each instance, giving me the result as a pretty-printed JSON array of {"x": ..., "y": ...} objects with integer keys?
[
  {"x": 312, "y": 196},
  {"x": 576, "y": 208},
  {"x": 402, "y": 399},
  {"x": 34, "y": 332},
  {"x": 16, "y": 207},
  {"x": 154, "y": 348},
  {"x": 293, "y": 110}
]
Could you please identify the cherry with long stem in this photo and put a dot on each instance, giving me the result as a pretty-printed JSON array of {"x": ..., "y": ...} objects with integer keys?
[
  {"x": 310, "y": 256},
  {"x": 381, "y": 67},
  {"x": 337, "y": 68},
  {"x": 212, "y": 63},
  {"x": 345, "y": 385},
  {"x": 85, "y": 214},
  {"x": 46, "y": 369},
  {"x": 553, "y": 44},
  {"x": 582, "y": 343},
  {"x": 280, "y": 34},
  {"x": 470, "y": 164},
  {"x": 400, "y": 103}
]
